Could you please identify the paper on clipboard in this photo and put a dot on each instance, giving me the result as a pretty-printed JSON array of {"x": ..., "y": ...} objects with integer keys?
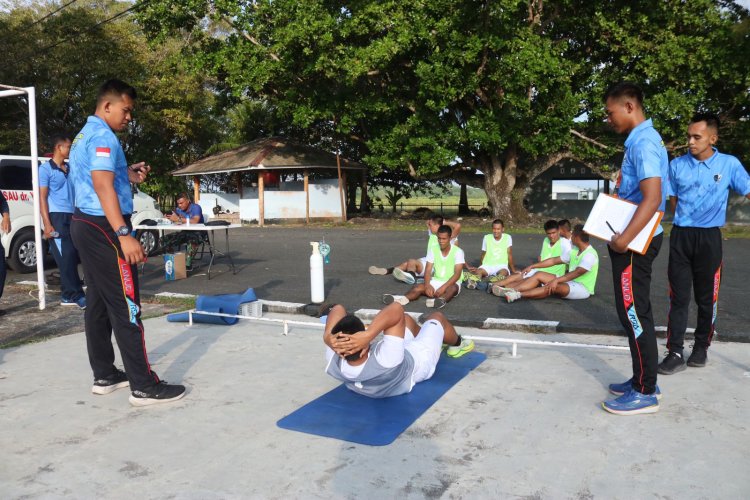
[{"x": 617, "y": 212}]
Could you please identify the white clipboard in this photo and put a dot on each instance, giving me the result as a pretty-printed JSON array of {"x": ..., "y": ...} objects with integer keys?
[{"x": 610, "y": 215}]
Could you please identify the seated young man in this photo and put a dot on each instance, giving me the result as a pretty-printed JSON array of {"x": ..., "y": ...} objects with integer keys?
[
  {"x": 565, "y": 231},
  {"x": 496, "y": 260},
  {"x": 579, "y": 283},
  {"x": 186, "y": 212},
  {"x": 552, "y": 246},
  {"x": 406, "y": 355},
  {"x": 412, "y": 270},
  {"x": 442, "y": 277}
]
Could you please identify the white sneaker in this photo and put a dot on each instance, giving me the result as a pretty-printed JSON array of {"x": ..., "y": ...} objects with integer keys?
[
  {"x": 377, "y": 270},
  {"x": 512, "y": 295},
  {"x": 403, "y": 276},
  {"x": 390, "y": 299}
]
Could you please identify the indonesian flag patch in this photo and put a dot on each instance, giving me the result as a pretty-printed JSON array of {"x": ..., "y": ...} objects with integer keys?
[{"x": 102, "y": 152}]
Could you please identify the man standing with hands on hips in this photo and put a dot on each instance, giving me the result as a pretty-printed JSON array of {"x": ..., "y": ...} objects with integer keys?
[
  {"x": 643, "y": 180},
  {"x": 699, "y": 184},
  {"x": 101, "y": 231}
]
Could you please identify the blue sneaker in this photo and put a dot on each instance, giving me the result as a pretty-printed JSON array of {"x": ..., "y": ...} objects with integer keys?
[
  {"x": 632, "y": 403},
  {"x": 80, "y": 302},
  {"x": 620, "y": 389}
]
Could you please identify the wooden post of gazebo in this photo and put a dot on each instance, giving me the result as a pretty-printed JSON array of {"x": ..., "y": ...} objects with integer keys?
[
  {"x": 261, "y": 204},
  {"x": 307, "y": 195},
  {"x": 238, "y": 183},
  {"x": 196, "y": 188},
  {"x": 364, "y": 203}
]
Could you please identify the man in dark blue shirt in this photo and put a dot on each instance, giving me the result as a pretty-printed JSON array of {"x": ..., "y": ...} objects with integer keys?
[
  {"x": 5, "y": 228},
  {"x": 699, "y": 184},
  {"x": 185, "y": 213}
]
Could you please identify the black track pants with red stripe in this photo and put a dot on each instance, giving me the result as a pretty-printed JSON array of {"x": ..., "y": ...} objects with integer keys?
[
  {"x": 112, "y": 302},
  {"x": 695, "y": 256},
  {"x": 631, "y": 275}
]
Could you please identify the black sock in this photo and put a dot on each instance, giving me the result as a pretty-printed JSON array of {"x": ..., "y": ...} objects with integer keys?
[
  {"x": 389, "y": 270},
  {"x": 458, "y": 342}
]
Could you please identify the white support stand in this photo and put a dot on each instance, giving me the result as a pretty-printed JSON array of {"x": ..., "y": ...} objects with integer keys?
[
  {"x": 514, "y": 342},
  {"x": 10, "y": 91}
]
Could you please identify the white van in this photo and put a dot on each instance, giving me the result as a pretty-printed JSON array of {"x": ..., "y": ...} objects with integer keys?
[{"x": 19, "y": 244}]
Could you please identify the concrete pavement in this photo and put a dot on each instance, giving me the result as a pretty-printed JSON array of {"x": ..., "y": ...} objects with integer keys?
[{"x": 525, "y": 427}]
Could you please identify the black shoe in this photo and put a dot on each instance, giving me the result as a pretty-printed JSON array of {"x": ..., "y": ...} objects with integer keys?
[
  {"x": 115, "y": 381},
  {"x": 672, "y": 363},
  {"x": 159, "y": 393},
  {"x": 698, "y": 357}
]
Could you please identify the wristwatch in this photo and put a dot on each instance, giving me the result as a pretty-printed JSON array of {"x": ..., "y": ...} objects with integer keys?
[{"x": 122, "y": 231}]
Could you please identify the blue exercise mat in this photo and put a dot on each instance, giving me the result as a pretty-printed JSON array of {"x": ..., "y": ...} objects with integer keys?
[
  {"x": 225, "y": 304},
  {"x": 346, "y": 415}
]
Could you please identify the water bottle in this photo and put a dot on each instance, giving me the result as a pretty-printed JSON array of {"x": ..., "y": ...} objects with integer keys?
[
  {"x": 54, "y": 234},
  {"x": 325, "y": 249},
  {"x": 317, "y": 291}
]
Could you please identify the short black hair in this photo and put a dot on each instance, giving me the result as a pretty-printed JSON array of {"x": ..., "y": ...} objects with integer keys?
[
  {"x": 564, "y": 223},
  {"x": 578, "y": 231},
  {"x": 498, "y": 221},
  {"x": 59, "y": 138},
  {"x": 116, "y": 88},
  {"x": 445, "y": 229},
  {"x": 437, "y": 219},
  {"x": 551, "y": 224},
  {"x": 625, "y": 89},
  {"x": 182, "y": 195},
  {"x": 712, "y": 121},
  {"x": 349, "y": 325}
]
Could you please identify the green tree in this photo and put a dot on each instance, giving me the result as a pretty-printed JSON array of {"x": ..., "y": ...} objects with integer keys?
[
  {"x": 488, "y": 93},
  {"x": 68, "y": 55}
]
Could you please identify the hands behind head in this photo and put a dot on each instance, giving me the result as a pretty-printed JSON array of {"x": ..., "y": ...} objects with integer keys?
[{"x": 345, "y": 344}]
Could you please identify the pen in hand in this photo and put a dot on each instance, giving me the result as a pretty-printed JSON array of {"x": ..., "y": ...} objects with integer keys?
[{"x": 610, "y": 227}]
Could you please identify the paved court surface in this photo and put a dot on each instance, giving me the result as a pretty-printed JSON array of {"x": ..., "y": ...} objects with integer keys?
[
  {"x": 525, "y": 427},
  {"x": 275, "y": 261}
]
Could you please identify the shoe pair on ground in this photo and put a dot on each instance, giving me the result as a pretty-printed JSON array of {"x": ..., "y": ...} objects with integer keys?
[
  {"x": 630, "y": 401},
  {"x": 80, "y": 302},
  {"x": 403, "y": 276},
  {"x": 510, "y": 294},
  {"x": 436, "y": 303},
  {"x": 674, "y": 362},
  {"x": 159, "y": 393}
]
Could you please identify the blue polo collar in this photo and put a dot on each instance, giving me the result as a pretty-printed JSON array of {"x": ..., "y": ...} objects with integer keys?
[
  {"x": 55, "y": 166},
  {"x": 694, "y": 162}
]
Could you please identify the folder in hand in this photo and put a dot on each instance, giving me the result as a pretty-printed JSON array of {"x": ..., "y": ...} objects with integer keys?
[{"x": 610, "y": 215}]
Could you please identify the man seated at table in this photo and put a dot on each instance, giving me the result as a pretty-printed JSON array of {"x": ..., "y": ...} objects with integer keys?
[{"x": 186, "y": 212}]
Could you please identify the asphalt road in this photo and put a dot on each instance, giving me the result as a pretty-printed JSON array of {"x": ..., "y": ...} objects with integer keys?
[{"x": 275, "y": 262}]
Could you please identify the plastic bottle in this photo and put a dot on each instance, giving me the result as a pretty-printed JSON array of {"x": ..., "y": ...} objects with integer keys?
[
  {"x": 317, "y": 290},
  {"x": 54, "y": 234}
]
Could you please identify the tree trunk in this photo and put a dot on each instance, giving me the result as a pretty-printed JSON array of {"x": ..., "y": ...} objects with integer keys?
[
  {"x": 500, "y": 186},
  {"x": 463, "y": 201}
]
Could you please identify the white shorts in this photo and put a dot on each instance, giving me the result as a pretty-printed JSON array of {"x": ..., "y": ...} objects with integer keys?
[
  {"x": 423, "y": 260},
  {"x": 493, "y": 270},
  {"x": 435, "y": 284},
  {"x": 577, "y": 291},
  {"x": 425, "y": 349}
]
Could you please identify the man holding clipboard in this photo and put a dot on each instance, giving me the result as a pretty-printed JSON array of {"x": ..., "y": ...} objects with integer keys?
[{"x": 643, "y": 181}]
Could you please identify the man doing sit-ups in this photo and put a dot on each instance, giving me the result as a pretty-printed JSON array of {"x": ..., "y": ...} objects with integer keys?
[{"x": 406, "y": 355}]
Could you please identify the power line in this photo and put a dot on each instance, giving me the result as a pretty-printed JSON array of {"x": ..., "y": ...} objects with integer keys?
[
  {"x": 72, "y": 37},
  {"x": 50, "y": 14}
]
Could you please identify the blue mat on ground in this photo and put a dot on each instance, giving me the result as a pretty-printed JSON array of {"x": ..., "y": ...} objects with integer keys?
[
  {"x": 226, "y": 304},
  {"x": 346, "y": 415}
]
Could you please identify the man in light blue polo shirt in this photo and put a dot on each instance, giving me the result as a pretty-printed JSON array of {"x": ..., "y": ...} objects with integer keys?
[
  {"x": 643, "y": 181},
  {"x": 56, "y": 207},
  {"x": 101, "y": 230},
  {"x": 699, "y": 184}
]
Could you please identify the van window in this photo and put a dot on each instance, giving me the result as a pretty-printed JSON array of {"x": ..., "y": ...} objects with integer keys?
[{"x": 15, "y": 175}]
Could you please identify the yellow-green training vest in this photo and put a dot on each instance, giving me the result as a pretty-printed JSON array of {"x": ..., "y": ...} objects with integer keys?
[
  {"x": 444, "y": 266},
  {"x": 496, "y": 253},
  {"x": 552, "y": 251},
  {"x": 587, "y": 279},
  {"x": 433, "y": 244}
]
